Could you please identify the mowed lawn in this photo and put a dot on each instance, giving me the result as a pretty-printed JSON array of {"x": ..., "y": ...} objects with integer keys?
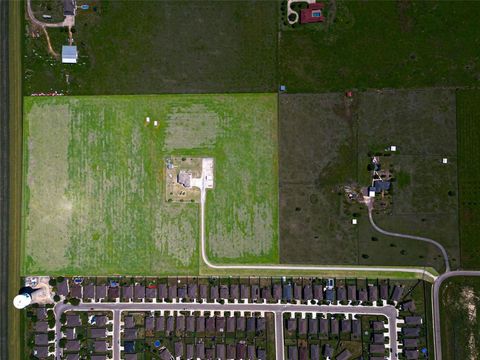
[
  {"x": 468, "y": 120},
  {"x": 94, "y": 198}
]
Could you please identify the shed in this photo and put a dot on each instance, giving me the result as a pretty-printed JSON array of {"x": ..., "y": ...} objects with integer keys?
[{"x": 69, "y": 54}]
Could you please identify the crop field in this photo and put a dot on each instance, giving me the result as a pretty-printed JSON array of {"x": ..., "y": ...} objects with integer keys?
[
  {"x": 383, "y": 44},
  {"x": 325, "y": 141},
  {"x": 460, "y": 326},
  {"x": 148, "y": 47},
  {"x": 468, "y": 118},
  {"x": 95, "y": 189}
]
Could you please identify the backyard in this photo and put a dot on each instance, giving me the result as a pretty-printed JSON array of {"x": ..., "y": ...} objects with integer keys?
[{"x": 94, "y": 183}]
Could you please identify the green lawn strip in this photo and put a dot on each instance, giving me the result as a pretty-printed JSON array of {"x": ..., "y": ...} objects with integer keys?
[{"x": 468, "y": 120}]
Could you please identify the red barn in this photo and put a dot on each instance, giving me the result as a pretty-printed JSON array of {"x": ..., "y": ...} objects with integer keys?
[{"x": 312, "y": 14}]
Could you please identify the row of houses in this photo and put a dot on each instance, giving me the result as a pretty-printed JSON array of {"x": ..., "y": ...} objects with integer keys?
[
  {"x": 286, "y": 292},
  {"x": 324, "y": 327},
  {"x": 411, "y": 334},
  {"x": 313, "y": 352},
  {"x": 194, "y": 324},
  {"x": 41, "y": 329}
]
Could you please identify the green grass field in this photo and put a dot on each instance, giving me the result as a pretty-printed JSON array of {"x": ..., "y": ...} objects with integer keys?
[
  {"x": 384, "y": 44},
  {"x": 468, "y": 119},
  {"x": 148, "y": 47},
  {"x": 94, "y": 183},
  {"x": 460, "y": 326}
]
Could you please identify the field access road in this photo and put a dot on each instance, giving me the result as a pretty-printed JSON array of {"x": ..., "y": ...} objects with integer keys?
[
  {"x": 437, "y": 329},
  {"x": 413, "y": 237},
  {"x": 278, "y": 309},
  {"x": 423, "y": 272},
  {"x": 4, "y": 177}
]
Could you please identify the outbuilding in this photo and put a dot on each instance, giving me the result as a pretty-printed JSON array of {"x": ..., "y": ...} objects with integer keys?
[{"x": 69, "y": 54}]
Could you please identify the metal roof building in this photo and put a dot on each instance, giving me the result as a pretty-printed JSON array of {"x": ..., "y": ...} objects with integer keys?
[{"x": 69, "y": 54}]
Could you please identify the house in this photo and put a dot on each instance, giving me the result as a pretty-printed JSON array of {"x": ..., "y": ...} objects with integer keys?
[
  {"x": 200, "y": 350},
  {"x": 100, "y": 320},
  {"x": 230, "y": 324},
  {"x": 220, "y": 351},
  {"x": 200, "y": 324},
  {"x": 165, "y": 354},
  {"x": 314, "y": 352},
  {"x": 241, "y": 323},
  {"x": 182, "y": 292},
  {"x": 170, "y": 327},
  {"x": 203, "y": 292},
  {"x": 192, "y": 292},
  {"x": 261, "y": 324},
  {"x": 303, "y": 353},
  {"x": 334, "y": 325},
  {"x": 69, "y": 54},
  {"x": 376, "y": 348},
  {"x": 384, "y": 291},
  {"x": 287, "y": 292},
  {"x": 100, "y": 292},
  {"x": 72, "y": 345},
  {"x": 312, "y": 14},
  {"x": 297, "y": 292},
  {"x": 266, "y": 293},
  {"x": 180, "y": 323},
  {"x": 100, "y": 346},
  {"x": 318, "y": 292},
  {"x": 346, "y": 326},
  {"x": 76, "y": 291},
  {"x": 210, "y": 324},
  {"x": 378, "y": 338},
  {"x": 130, "y": 334},
  {"x": 235, "y": 292},
  {"x": 172, "y": 292},
  {"x": 73, "y": 320},
  {"x": 302, "y": 326},
  {"x": 98, "y": 333},
  {"x": 277, "y": 292},
  {"x": 413, "y": 320},
  {"x": 220, "y": 324},
  {"x": 73, "y": 357},
  {"x": 133, "y": 357},
  {"x": 312, "y": 326},
  {"x": 410, "y": 343},
  {"x": 224, "y": 293},
  {"x": 151, "y": 292},
  {"x": 244, "y": 292},
  {"x": 330, "y": 295},
  {"x": 210, "y": 353},
  {"x": 344, "y": 355},
  {"x": 98, "y": 357},
  {"x": 162, "y": 291},
  {"x": 127, "y": 292},
  {"x": 41, "y": 313},
  {"x": 341, "y": 293},
  {"x": 190, "y": 351},
  {"x": 381, "y": 186},
  {"x": 409, "y": 305},
  {"x": 190, "y": 324},
  {"x": 41, "y": 326},
  {"x": 241, "y": 350},
  {"x": 397, "y": 293},
  {"x": 40, "y": 352},
  {"x": 292, "y": 353},
  {"x": 41, "y": 339},
  {"x": 149, "y": 323},
  {"x": 255, "y": 292},
  {"x": 261, "y": 354},
  {"x": 356, "y": 328},
  {"x": 214, "y": 294},
  {"x": 251, "y": 352},
  {"x": 378, "y": 325},
  {"x": 327, "y": 351},
  {"x": 292, "y": 325},
  {"x": 324, "y": 327},
  {"x": 179, "y": 348},
  {"x": 70, "y": 334},
  {"x": 352, "y": 292},
  {"x": 372, "y": 293},
  {"x": 113, "y": 292},
  {"x": 362, "y": 295},
  {"x": 160, "y": 323},
  {"x": 411, "y": 332},
  {"x": 139, "y": 292},
  {"x": 62, "y": 288},
  {"x": 231, "y": 351},
  {"x": 411, "y": 354},
  {"x": 69, "y": 7},
  {"x": 128, "y": 322},
  {"x": 251, "y": 324}
]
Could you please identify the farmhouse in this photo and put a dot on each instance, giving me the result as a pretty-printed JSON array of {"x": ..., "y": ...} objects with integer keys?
[{"x": 312, "y": 14}]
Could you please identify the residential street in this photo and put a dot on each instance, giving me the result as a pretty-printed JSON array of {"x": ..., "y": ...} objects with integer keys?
[{"x": 390, "y": 312}]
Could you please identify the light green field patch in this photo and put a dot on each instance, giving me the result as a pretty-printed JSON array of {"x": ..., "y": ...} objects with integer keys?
[{"x": 95, "y": 171}]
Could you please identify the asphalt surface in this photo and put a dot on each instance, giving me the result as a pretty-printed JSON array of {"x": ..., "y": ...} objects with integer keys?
[
  {"x": 389, "y": 311},
  {"x": 4, "y": 179},
  {"x": 437, "y": 329}
]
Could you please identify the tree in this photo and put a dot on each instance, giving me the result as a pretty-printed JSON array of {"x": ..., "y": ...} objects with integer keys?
[
  {"x": 74, "y": 301},
  {"x": 63, "y": 342},
  {"x": 56, "y": 298},
  {"x": 52, "y": 282},
  {"x": 51, "y": 335}
]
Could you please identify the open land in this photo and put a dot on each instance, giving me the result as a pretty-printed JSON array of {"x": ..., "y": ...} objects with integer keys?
[
  {"x": 399, "y": 44},
  {"x": 468, "y": 118},
  {"x": 94, "y": 183},
  {"x": 460, "y": 301},
  {"x": 144, "y": 47},
  {"x": 325, "y": 143}
]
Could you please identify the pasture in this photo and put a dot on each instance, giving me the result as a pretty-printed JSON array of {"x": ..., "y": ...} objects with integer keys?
[
  {"x": 94, "y": 183},
  {"x": 325, "y": 142}
]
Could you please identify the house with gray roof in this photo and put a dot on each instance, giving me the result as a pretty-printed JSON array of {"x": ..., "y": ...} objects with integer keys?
[
  {"x": 89, "y": 292},
  {"x": 297, "y": 292},
  {"x": 190, "y": 324},
  {"x": 62, "y": 288},
  {"x": 100, "y": 292},
  {"x": 128, "y": 322},
  {"x": 291, "y": 325},
  {"x": 41, "y": 339},
  {"x": 411, "y": 354},
  {"x": 261, "y": 354},
  {"x": 346, "y": 326},
  {"x": 98, "y": 333},
  {"x": 241, "y": 350},
  {"x": 151, "y": 292},
  {"x": 376, "y": 348},
  {"x": 224, "y": 292},
  {"x": 409, "y": 305},
  {"x": 160, "y": 323},
  {"x": 170, "y": 327},
  {"x": 40, "y": 352},
  {"x": 210, "y": 324},
  {"x": 127, "y": 292},
  {"x": 200, "y": 324},
  {"x": 413, "y": 320},
  {"x": 324, "y": 328},
  {"x": 352, "y": 292},
  {"x": 251, "y": 324},
  {"x": 411, "y": 332},
  {"x": 180, "y": 323},
  {"x": 344, "y": 355},
  {"x": 244, "y": 291},
  {"x": 73, "y": 320},
  {"x": 139, "y": 292},
  {"x": 397, "y": 293},
  {"x": 100, "y": 346},
  {"x": 341, "y": 293},
  {"x": 302, "y": 326},
  {"x": 292, "y": 352},
  {"x": 334, "y": 326},
  {"x": 203, "y": 290},
  {"x": 307, "y": 292},
  {"x": 230, "y": 324},
  {"x": 235, "y": 292},
  {"x": 372, "y": 293},
  {"x": 315, "y": 352},
  {"x": 410, "y": 343},
  {"x": 362, "y": 295},
  {"x": 378, "y": 325},
  {"x": 192, "y": 291},
  {"x": 41, "y": 326},
  {"x": 72, "y": 345},
  {"x": 190, "y": 351},
  {"x": 172, "y": 292},
  {"x": 318, "y": 292},
  {"x": 255, "y": 292},
  {"x": 220, "y": 323},
  {"x": 241, "y": 323},
  {"x": 200, "y": 350},
  {"x": 162, "y": 292},
  {"x": 378, "y": 338},
  {"x": 327, "y": 351},
  {"x": 266, "y": 293},
  {"x": 312, "y": 326},
  {"x": 384, "y": 291},
  {"x": 179, "y": 349},
  {"x": 277, "y": 292},
  {"x": 287, "y": 292},
  {"x": 76, "y": 291},
  {"x": 130, "y": 334},
  {"x": 149, "y": 323},
  {"x": 214, "y": 293}
]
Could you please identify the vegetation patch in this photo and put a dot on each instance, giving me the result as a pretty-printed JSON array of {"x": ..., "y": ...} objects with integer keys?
[{"x": 468, "y": 118}]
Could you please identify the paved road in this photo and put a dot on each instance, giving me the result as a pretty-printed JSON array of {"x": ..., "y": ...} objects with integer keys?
[
  {"x": 424, "y": 273},
  {"x": 413, "y": 237},
  {"x": 389, "y": 311},
  {"x": 4, "y": 178},
  {"x": 437, "y": 329}
]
